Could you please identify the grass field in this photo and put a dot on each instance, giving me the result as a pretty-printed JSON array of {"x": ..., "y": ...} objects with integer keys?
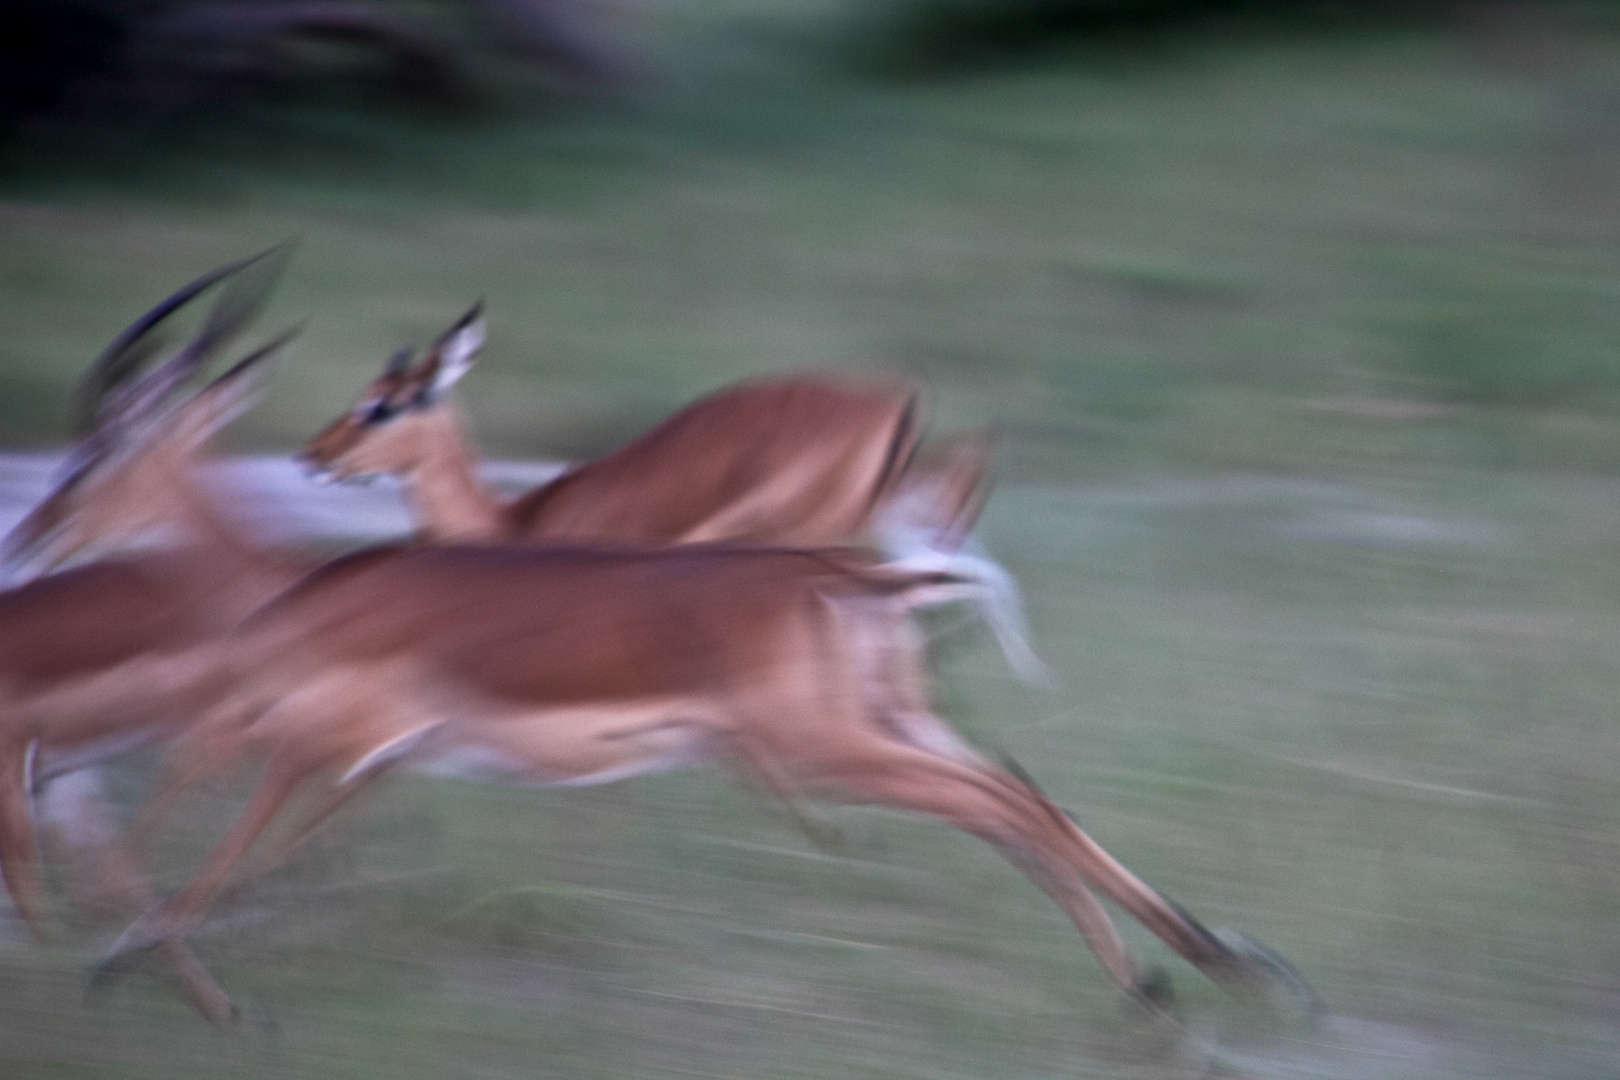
[{"x": 1302, "y": 353}]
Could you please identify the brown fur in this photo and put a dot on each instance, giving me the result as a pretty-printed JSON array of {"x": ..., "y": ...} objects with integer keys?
[
  {"x": 574, "y": 665},
  {"x": 799, "y": 460},
  {"x": 91, "y": 655}
]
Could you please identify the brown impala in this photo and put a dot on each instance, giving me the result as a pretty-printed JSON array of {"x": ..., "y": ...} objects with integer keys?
[
  {"x": 133, "y": 471},
  {"x": 799, "y": 460},
  {"x": 799, "y": 669}
]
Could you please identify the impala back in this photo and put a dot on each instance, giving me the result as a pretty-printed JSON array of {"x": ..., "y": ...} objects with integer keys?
[{"x": 795, "y": 461}]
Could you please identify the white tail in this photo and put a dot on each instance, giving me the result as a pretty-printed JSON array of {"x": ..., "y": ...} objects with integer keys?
[{"x": 926, "y": 525}]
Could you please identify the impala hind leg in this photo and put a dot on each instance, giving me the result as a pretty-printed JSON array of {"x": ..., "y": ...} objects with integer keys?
[
  {"x": 907, "y": 779},
  {"x": 1043, "y": 842}
]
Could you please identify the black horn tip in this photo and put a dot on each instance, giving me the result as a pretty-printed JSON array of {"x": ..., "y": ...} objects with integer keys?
[
  {"x": 468, "y": 319},
  {"x": 470, "y": 316},
  {"x": 267, "y": 352}
]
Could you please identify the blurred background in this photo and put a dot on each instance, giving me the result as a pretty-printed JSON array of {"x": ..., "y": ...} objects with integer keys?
[{"x": 1299, "y": 323}]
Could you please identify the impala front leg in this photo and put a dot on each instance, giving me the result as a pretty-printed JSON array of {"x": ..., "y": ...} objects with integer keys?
[
  {"x": 174, "y": 917},
  {"x": 762, "y": 772},
  {"x": 163, "y": 924},
  {"x": 19, "y": 844},
  {"x": 77, "y": 810}
]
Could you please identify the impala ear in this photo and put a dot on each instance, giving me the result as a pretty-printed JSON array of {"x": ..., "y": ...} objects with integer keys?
[{"x": 454, "y": 353}]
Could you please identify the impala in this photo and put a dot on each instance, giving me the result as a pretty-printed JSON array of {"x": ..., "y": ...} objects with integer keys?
[
  {"x": 800, "y": 669},
  {"x": 132, "y": 471},
  {"x": 799, "y": 461}
]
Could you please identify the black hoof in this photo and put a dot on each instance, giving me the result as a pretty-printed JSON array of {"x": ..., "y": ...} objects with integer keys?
[
  {"x": 1154, "y": 990},
  {"x": 267, "y": 1026},
  {"x": 1272, "y": 977}
]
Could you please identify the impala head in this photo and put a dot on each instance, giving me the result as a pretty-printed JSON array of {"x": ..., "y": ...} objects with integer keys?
[
  {"x": 132, "y": 471},
  {"x": 381, "y": 435}
]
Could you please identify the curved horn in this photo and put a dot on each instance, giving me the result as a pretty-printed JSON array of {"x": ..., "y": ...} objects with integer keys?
[
  {"x": 130, "y": 350},
  {"x": 259, "y": 355},
  {"x": 210, "y": 409},
  {"x": 239, "y": 304}
]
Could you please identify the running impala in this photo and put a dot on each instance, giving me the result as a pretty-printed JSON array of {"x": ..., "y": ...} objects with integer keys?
[
  {"x": 132, "y": 471},
  {"x": 801, "y": 669},
  {"x": 797, "y": 460}
]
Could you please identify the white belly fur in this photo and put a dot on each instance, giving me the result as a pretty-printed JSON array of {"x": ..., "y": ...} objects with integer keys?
[{"x": 569, "y": 747}]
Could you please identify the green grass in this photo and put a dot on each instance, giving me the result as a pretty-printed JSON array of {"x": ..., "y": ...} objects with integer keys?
[{"x": 1302, "y": 354}]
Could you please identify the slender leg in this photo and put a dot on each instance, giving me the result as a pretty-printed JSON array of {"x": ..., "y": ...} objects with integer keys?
[
  {"x": 76, "y": 809},
  {"x": 209, "y": 749},
  {"x": 1016, "y": 818},
  {"x": 19, "y": 844},
  {"x": 126, "y": 883},
  {"x": 174, "y": 916},
  {"x": 1083, "y": 908},
  {"x": 205, "y": 995},
  {"x": 761, "y": 770},
  {"x": 326, "y": 804}
]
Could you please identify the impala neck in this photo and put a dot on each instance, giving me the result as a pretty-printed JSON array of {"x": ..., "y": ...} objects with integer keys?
[
  {"x": 449, "y": 502},
  {"x": 253, "y": 569},
  {"x": 230, "y": 573}
]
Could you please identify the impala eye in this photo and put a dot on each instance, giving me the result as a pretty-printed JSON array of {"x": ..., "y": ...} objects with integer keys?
[{"x": 375, "y": 411}]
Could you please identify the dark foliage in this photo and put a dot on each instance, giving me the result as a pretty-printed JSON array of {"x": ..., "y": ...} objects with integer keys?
[
  {"x": 49, "y": 48},
  {"x": 936, "y": 36},
  {"x": 66, "y": 61}
]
